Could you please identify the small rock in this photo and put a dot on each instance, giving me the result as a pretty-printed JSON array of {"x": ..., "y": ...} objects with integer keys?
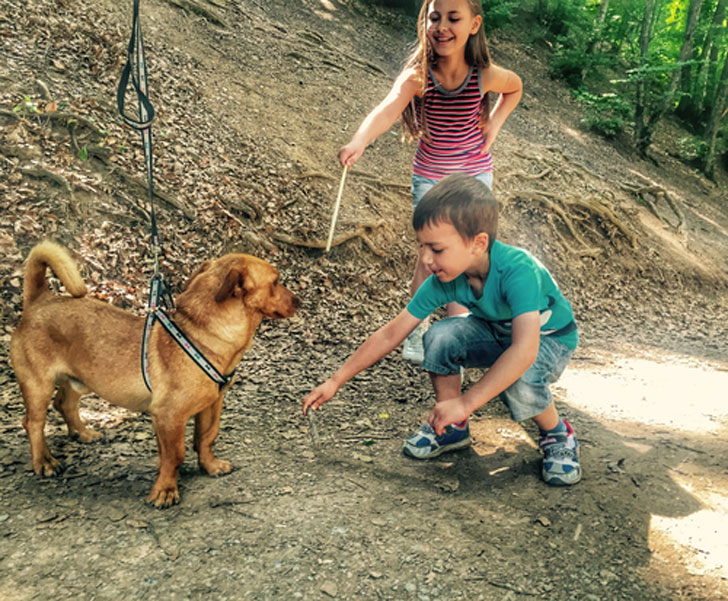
[{"x": 330, "y": 589}]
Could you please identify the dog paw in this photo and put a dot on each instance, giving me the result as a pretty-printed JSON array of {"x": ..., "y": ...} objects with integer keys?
[
  {"x": 163, "y": 497},
  {"x": 88, "y": 435},
  {"x": 217, "y": 467},
  {"x": 50, "y": 466}
]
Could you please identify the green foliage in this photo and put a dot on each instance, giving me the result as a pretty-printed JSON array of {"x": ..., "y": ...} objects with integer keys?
[
  {"x": 498, "y": 14},
  {"x": 28, "y": 105},
  {"x": 606, "y": 114},
  {"x": 691, "y": 149}
]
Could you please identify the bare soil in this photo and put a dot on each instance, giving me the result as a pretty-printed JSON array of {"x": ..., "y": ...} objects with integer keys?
[{"x": 253, "y": 100}]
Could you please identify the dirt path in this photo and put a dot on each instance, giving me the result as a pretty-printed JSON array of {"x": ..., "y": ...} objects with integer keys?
[{"x": 354, "y": 518}]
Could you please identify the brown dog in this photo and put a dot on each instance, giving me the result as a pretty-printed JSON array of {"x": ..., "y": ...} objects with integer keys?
[{"x": 82, "y": 345}]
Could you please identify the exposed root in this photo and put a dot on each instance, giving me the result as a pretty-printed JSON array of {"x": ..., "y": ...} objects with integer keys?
[
  {"x": 362, "y": 232},
  {"x": 198, "y": 8},
  {"x": 650, "y": 193}
]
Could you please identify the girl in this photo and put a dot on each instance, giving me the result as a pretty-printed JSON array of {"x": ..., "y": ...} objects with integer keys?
[{"x": 441, "y": 95}]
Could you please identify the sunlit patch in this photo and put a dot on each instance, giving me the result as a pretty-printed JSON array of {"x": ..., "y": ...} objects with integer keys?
[
  {"x": 494, "y": 434},
  {"x": 685, "y": 395},
  {"x": 698, "y": 541}
]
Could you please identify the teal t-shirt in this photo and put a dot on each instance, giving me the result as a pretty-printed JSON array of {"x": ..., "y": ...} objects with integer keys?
[{"x": 517, "y": 283}]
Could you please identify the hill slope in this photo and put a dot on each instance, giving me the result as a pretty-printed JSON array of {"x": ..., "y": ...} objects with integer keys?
[{"x": 253, "y": 100}]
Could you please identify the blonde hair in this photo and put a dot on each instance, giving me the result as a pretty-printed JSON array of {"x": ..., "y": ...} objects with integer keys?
[{"x": 423, "y": 57}]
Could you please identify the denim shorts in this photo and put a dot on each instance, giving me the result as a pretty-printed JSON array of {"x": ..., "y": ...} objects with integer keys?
[
  {"x": 456, "y": 342},
  {"x": 420, "y": 185}
]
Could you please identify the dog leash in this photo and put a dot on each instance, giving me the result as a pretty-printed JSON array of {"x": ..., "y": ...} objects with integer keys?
[{"x": 160, "y": 297}]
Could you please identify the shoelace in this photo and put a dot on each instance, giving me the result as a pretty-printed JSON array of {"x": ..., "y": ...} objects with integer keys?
[{"x": 557, "y": 450}]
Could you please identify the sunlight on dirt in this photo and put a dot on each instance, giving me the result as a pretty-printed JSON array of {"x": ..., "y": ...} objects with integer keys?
[
  {"x": 664, "y": 397},
  {"x": 676, "y": 392}
]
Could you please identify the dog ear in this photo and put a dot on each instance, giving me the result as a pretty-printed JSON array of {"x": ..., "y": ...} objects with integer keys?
[
  {"x": 197, "y": 272},
  {"x": 232, "y": 286}
]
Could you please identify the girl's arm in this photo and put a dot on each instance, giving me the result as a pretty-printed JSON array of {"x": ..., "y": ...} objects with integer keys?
[
  {"x": 382, "y": 117},
  {"x": 378, "y": 345},
  {"x": 511, "y": 365},
  {"x": 509, "y": 86}
]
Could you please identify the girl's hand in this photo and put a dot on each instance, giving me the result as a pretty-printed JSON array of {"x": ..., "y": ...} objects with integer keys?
[
  {"x": 447, "y": 412},
  {"x": 490, "y": 131},
  {"x": 319, "y": 396},
  {"x": 349, "y": 154}
]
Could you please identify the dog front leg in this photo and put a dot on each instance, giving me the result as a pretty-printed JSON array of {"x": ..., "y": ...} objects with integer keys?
[
  {"x": 170, "y": 431},
  {"x": 207, "y": 427}
]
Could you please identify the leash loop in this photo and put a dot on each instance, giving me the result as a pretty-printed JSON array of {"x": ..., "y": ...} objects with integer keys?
[{"x": 160, "y": 298}]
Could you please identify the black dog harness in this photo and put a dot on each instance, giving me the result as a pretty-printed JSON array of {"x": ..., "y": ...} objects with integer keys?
[
  {"x": 159, "y": 295},
  {"x": 159, "y": 299}
]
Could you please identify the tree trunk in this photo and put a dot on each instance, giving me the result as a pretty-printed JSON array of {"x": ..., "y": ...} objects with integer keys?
[
  {"x": 719, "y": 105},
  {"x": 645, "y": 138},
  {"x": 703, "y": 86},
  {"x": 640, "y": 109},
  {"x": 598, "y": 27}
]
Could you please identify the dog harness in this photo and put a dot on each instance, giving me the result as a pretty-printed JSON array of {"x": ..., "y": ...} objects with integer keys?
[
  {"x": 159, "y": 295},
  {"x": 159, "y": 299}
]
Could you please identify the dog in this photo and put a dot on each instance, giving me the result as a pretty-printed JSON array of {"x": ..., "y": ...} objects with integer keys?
[{"x": 76, "y": 345}]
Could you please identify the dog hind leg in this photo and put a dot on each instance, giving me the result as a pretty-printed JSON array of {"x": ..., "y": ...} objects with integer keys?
[
  {"x": 37, "y": 397},
  {"x": 207, "y": 427},
  {"x": 66, "y": 403}
]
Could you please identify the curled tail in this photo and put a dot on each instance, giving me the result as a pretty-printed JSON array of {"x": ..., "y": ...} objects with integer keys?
[{"x": 50, "y": 254}]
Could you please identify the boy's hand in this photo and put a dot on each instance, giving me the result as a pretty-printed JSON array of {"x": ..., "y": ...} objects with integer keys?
[
  {"x": 319, "y": 396},
  {"x": 447, "y": 412}
]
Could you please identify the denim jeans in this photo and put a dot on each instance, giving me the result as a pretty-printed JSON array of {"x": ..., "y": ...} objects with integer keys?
[
  {"x": 420, "y": 185},
  {"x": 472, "y": 342}
]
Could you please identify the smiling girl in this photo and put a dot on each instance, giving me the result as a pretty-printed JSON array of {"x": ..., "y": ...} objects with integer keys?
[{"x": 442, "y": 97}]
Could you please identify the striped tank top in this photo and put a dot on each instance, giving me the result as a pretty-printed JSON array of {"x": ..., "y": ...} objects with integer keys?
[{"x": 453, "y": 120}]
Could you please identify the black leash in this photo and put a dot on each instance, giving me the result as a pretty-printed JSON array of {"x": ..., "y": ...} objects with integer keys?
[{"x": 160, "y": 297}]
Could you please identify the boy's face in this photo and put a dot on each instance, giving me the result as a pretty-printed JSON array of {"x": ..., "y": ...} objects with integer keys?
[{"x": 446, "y": 254}]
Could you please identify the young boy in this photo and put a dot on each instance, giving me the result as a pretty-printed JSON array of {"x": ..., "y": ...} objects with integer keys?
[{"x": 520, "y": 326}]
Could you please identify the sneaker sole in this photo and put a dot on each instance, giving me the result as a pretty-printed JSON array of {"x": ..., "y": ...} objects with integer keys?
[
  {"x": 562, "y": 480},
  {"x": 455, "y": 446}
]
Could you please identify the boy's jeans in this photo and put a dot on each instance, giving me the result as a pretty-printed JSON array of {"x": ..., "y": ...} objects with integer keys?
[{"x": 472, "y": 342}]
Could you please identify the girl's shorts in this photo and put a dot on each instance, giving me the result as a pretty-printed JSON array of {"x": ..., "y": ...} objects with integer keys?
[
  {"x": 472, "y": 342},
  {"x": 421, "y": 184}
]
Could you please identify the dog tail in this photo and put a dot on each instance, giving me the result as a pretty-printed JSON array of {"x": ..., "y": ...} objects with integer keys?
[{"x": 49, "y": 254}]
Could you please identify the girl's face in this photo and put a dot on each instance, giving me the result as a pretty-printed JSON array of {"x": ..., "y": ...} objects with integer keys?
[{"x": 450, "y": 23}]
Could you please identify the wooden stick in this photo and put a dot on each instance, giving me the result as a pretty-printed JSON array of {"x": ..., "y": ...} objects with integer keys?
[{"x": 336, "y": 208}]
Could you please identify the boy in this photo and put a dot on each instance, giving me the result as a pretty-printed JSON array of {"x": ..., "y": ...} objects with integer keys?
[{"x": 520, "y": 326}]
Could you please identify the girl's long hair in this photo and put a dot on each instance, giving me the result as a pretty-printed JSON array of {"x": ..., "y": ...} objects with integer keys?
[{"x": 423, "y": 57}]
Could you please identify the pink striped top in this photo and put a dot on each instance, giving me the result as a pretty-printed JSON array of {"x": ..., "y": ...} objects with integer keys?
[{"x": 453, "y": 121}]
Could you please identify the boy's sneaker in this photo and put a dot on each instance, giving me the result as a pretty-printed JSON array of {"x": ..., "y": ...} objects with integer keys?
[
  {"x": 560, "y": 458},
  {"x": 425, "y": 444},
  {"x": 412, "y": 348}
]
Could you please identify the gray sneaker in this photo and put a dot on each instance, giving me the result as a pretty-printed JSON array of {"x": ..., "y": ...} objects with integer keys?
[{"x": 412, "y": 348}]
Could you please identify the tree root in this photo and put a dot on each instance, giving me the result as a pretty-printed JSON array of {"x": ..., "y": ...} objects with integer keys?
[
  {"x": 198, "y": 9},
  {"x": 362, "y": 232},
  {"x": 647, "y": 191},
  {"x": 373, "y": 179},
  {"x": 141, "y": 187}
]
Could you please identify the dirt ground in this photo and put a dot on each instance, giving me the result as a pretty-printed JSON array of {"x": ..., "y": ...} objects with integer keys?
[{"x": 253, "y": 100}]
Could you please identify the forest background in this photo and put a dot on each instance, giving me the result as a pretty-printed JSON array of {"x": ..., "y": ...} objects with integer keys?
[{"x": 632, "y": 64}]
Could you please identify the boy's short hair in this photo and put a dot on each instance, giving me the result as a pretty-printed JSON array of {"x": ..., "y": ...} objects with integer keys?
[{"x": 465, "y": 202}]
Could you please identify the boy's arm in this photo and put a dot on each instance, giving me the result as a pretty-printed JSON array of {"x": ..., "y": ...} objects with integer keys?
[
  {"x": 378, "y": 345},
  {"x": 382, "y": 117},
  {"x": 509, "y": 86},
  {"x": 510, "y": 366}
]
